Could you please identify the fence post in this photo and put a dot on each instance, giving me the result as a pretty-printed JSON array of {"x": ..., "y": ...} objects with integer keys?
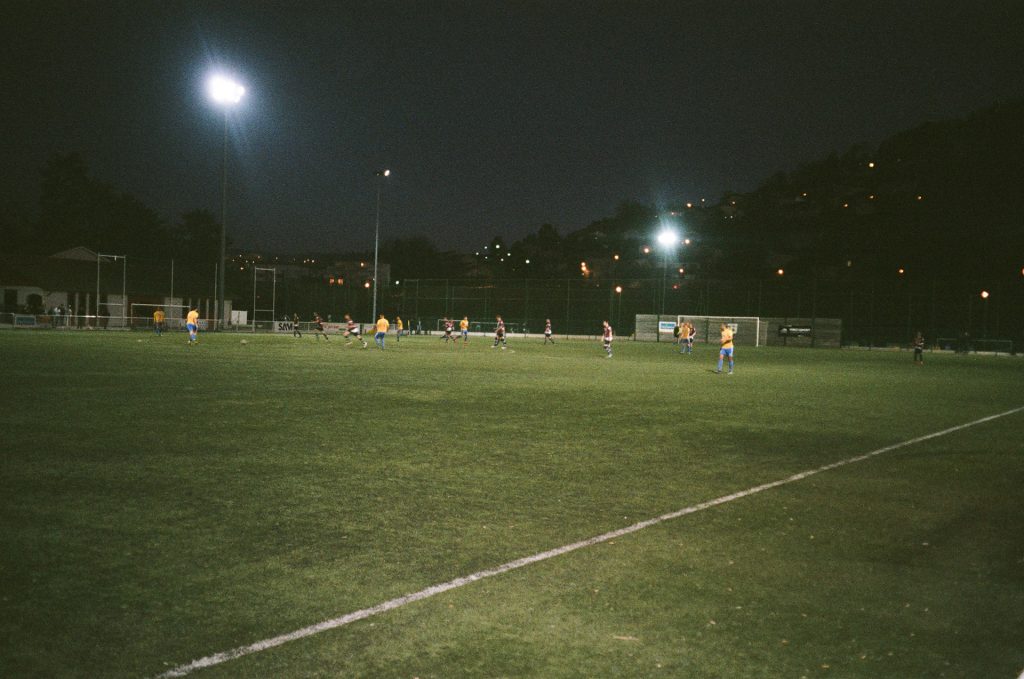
[
  {"x": 568, "y": 283},
  {"x": 526, "y": 303}
]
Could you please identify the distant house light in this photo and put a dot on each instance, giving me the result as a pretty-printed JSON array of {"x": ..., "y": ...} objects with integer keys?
[{"x": 780, "y": 271}]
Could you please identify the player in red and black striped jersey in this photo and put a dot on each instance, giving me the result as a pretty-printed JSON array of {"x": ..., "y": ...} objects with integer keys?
[
  {"x": 352, "y": 329},
  {"x": 449, "y": 328},
  {"x": 499, "y": 333},
  {"x": 547, "y": 332},
  {"x": 318, "y": 328},
  {"x": 607, "y": 338}
]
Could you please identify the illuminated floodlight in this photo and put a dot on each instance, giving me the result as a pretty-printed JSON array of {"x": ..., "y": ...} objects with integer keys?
[
  {"x": 224, "y": 90},
  {"x": 668, "y": 237}
]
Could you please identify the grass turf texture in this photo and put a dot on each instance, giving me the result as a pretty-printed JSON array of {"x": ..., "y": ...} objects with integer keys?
[{"x": 161, "y": 503}]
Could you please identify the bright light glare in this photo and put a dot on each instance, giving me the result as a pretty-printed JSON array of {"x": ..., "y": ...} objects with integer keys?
[
  {"x": 984, "y": 294},
  {"x": 668, "y": 237},
  {"x": 224, "y": 90}
]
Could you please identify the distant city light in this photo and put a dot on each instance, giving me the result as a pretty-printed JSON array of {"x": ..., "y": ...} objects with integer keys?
[
  {"x": 527, "y": 261},
  {"x": 682, "y": 270},
  {"x": 849, "y": 263},
  {"x": 686, "y": 242},
  {"x": 366, "y": 284},
  {"x": 618, "y": 289},
  {"x": 920, "y": 197},
  {"x": 871, "y": 165},
  {"x": 804, "y": 194},
  {"x": 984, "y": 294},
  {"x": 497, "y": 246},
  {"x": 900, "y": 271},
  {"x": 647, "y": 250},
  {"x": 689, "y": 205},
  {"x": 871, "y": 197},
  {"x": 615, "y": 257},
  {"x": 780, "y": 271}
]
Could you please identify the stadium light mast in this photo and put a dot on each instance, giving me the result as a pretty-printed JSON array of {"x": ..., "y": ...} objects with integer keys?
[
  {"x": 381, "y": 175},
  {"x": 226, "y": 93},
  {"x": 668, "y": 239}
]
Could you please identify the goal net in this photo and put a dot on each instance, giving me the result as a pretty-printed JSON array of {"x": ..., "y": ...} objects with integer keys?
[
  {"x": 174, "y": 315},
  {"x": 746, "y": 330},
  {"x": 486, "y": 327}
]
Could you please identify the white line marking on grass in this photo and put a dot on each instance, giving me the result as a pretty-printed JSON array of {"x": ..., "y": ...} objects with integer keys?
[{"x": 225, "y": 656}]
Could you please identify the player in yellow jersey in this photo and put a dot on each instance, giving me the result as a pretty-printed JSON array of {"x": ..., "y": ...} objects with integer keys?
[
  {"x": 464, "y": 329},
  {"x": 399, "y": 328},
  {"x": 192, "y": 323},
  {"x": 726, "y": 350},
  {"x": 382, "y": 331},
  {"x": 158, "y": 321}
]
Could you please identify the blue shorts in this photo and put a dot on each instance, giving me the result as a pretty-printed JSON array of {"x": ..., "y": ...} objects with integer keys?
[
  {"x": 727, "y": 352},
  {"x": 192, "y": 327},
  {"x": 379, "y": 335}
]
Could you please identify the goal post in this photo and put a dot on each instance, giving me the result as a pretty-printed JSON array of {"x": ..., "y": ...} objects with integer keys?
[
  {"x": 482, "y": 327},
  {"x": 141, "y": 314},
  {"x": 747, "y": 330}
]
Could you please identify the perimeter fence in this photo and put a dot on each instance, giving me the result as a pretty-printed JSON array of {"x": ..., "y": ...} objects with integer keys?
[{"x": 874, "y": 312}]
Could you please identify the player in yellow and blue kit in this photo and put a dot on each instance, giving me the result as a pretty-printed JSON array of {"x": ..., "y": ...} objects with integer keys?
[
  {"x": 727, "y": 348},
  {"x": 192, "y": 323},
  {"x": 382, "y": 331}
]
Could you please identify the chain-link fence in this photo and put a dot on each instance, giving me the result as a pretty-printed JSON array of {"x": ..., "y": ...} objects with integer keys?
[{"x": 873, "y": 312}]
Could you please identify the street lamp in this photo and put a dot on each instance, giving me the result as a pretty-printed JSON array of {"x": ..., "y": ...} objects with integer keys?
[
  {"x": 381, "y": 174},
  {"x": 225, "y": 92}
]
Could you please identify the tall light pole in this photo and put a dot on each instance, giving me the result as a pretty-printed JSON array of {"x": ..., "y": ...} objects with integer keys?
[
  {"x": 227, "y": 93},
  {"x": 668, "y": 238},
  {"x": 381, "y": 174}
]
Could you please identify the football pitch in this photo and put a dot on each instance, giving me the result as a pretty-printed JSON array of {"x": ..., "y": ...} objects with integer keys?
[{"x": 163, "y": 505}]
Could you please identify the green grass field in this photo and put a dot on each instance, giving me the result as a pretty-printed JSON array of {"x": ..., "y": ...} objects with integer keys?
[{"x": 162, "y": 504}]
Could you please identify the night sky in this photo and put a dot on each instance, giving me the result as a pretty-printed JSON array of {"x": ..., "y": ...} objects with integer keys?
[{"x": 494, "y": 117}]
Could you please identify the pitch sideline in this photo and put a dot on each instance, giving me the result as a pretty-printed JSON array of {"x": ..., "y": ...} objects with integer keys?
[{"x": 240, "y": 651}]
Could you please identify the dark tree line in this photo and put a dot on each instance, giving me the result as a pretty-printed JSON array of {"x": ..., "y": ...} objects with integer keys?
[
  {"x": 943, "y": 200},
  {"x": 77, "y": 209}
]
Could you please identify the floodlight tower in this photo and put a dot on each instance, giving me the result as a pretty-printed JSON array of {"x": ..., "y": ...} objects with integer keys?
[
  {"x": 225, "y": 92},
  {"x": 668, "y": 239},
  {"x": 381, "y": 174}
]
